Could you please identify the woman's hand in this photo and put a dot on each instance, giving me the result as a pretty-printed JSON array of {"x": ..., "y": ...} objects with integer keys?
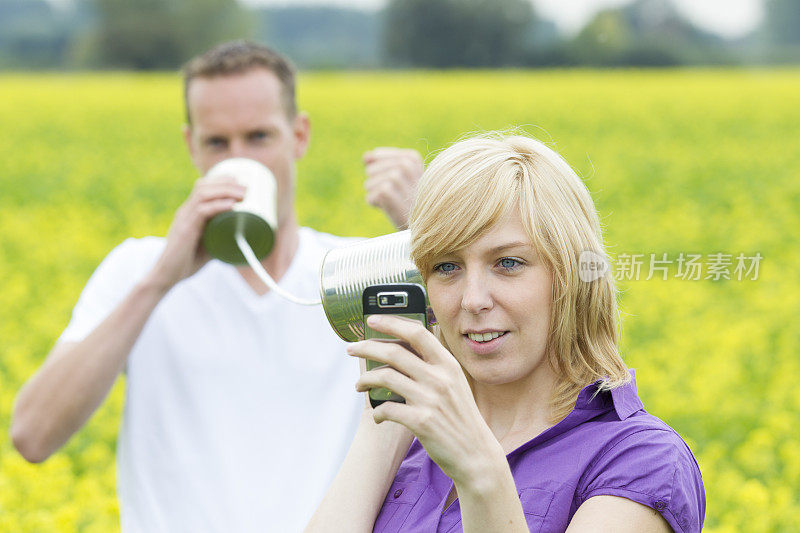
[{"x": 439, "y": 409}]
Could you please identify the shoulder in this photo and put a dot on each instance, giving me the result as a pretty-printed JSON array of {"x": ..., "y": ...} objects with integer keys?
[
  {"x": 325, "y": 240},
  {"x": 315, "y": 244},
  {"x": 130, "y": 259},
  {"x": 648, "y": 462},
  {"x": 111, "y": 281},
  {"x": 138, "y": 249},
  {"x": 641, "y": 430}
]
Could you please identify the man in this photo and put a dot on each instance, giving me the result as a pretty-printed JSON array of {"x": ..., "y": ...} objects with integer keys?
[{"x": 239, "y": 405}]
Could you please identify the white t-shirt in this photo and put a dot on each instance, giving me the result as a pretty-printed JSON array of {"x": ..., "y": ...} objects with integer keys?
[{"x": 239, "y": 408}]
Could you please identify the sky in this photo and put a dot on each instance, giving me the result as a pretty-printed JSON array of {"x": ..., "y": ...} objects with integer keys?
[{"x": 729, "y": 18}]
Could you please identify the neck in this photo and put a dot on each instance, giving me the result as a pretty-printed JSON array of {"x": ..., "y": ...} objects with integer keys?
[
  {"x": 516, "y": 412},
  {"x": 277, "y": 262}
]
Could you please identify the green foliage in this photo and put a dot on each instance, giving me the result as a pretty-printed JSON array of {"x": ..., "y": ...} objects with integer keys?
[
  {"x": 321, "y": 37},
  {"x": 677, "y": 161},
  {"x": 163, "y": 34},
  {"x": 644, "y": 33},
  {"x": 782, "y": 21},
  {"x": 457, "y": 33},
  {"x": 30, "y": 34}
]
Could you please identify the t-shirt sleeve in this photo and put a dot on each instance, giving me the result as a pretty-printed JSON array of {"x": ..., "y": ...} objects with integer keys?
[
  {"x": 113, "y": 279},
  {"x": 653, "y": 467}
]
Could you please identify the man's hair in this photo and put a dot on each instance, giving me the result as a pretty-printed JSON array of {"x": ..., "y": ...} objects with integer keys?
[
  {"x": 471, "y": 186},
  {"x": 239, "y": 57}
]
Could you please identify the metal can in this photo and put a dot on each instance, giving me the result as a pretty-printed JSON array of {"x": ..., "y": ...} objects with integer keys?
[
  {"x": 256, "y": 215},
  {"x": 348, "y": 270}
]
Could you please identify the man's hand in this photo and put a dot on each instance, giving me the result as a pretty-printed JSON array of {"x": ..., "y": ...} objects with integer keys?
[
  {"x": 184, "y": 254},
  {"x": 392, "y": 176}
]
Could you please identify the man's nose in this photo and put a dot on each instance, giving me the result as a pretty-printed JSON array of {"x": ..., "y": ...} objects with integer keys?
[
  {"x": 477, "y": 296},
  {"x": 237, "y": 148}
]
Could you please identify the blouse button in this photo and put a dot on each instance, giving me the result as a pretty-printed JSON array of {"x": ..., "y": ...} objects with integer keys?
[
  {"x": 398, "y": 492},
  {"x": 660, "y": 505}
]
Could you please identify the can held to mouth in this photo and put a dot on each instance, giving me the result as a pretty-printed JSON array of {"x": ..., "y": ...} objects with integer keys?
[
  {"x": 346, "y": 271},
  {"x": 256, "y": 216}
]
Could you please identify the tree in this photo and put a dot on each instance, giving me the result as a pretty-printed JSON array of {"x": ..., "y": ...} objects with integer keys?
[
  {"x": 321, "y": 36},
  {"x": 30, "y": 34},
  {"x": 643, "y": 33},
  {"x": 457, "y": 33},
  {"x": 162, "y": 34},
  {"x": 782, "y": 22}
]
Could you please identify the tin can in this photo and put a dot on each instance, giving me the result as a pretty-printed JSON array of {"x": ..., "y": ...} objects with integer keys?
[
  {"x": 346, "y": 271},
  {"x": 256, "y": 215}
]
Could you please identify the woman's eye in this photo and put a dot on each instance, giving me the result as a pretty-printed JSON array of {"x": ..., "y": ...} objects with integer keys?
[
  {"x": 445, "y": 268},
  {"x": 509, "y": 263}
]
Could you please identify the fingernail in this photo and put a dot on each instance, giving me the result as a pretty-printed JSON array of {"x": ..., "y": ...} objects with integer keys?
[{"x": 373, "y": 320}]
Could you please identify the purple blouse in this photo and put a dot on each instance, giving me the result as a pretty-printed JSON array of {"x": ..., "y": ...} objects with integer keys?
[{"x": 607, "y": 445}]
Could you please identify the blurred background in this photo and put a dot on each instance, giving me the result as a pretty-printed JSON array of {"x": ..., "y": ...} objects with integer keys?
[
  {"x": 682, "y": 117},
  {"x": 363, "y": 34}
]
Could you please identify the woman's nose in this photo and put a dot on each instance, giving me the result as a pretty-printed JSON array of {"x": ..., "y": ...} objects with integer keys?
[{"x": 477, "y": 296}]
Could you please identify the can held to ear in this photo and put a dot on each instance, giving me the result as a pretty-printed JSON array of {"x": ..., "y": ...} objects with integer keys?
[
  {"x": 348, "y": 270},
  {"x": 256, "y": 216}
]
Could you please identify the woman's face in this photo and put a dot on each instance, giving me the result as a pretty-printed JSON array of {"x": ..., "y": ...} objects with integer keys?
[{"x": 493, "y": 301}]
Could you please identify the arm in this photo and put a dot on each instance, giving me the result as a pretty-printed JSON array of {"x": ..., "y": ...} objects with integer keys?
[
  {"x": 356, "y": 494},
  {"x": 441, "y": 412},
  {"x": 489, "y": 502},
  {"x": 617, "y": 515},
  {"x": 77, "y": 376},
  {"x": 392, "y": 176}
]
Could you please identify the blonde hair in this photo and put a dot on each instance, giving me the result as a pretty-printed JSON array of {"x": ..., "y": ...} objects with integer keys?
[{"x": 474, "y": 183}]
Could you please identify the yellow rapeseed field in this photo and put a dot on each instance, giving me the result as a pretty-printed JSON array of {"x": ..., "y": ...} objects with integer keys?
[{"x": 701, "y": 164}]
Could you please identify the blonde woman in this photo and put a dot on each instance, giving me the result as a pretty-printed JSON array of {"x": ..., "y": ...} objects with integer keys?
[{"x": 520, "y": 413}]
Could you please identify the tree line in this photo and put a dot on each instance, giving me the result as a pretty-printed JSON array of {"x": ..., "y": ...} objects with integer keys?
[{"x": 162, "y": 34}]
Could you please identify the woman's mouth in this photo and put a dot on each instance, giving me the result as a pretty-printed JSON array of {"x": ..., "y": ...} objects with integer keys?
[
  {"x": 485, "y": 337},
  {"x": 485, "y": 343}
]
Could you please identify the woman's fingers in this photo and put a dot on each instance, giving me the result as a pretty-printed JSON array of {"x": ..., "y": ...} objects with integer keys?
[
  {"x": 421, "y": 421},
  {"x": 412, "y": 332},
  {"x": 393, "y": 354},
  {"x": 392, "y": 411},
  {"x": 389, "y": 378}
]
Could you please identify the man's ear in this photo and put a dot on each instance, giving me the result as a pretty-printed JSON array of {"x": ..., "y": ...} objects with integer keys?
[
  {"x": 302, "y": 134},
  {"x": 187, "y": 138}
]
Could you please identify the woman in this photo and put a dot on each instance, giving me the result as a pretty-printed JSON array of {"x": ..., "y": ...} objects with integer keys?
[{"x": 522, "y": 414}]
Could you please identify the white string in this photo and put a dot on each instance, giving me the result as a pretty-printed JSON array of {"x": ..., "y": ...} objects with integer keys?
[{"x": 258, "y": 268}]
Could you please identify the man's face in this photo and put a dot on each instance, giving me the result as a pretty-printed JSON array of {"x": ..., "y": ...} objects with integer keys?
[{"x": 242, "y": 115}]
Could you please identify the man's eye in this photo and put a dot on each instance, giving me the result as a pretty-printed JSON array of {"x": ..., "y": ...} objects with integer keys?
[
  {"x": 215, "y": 142},
  {"x": 258, "y": 136}
]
